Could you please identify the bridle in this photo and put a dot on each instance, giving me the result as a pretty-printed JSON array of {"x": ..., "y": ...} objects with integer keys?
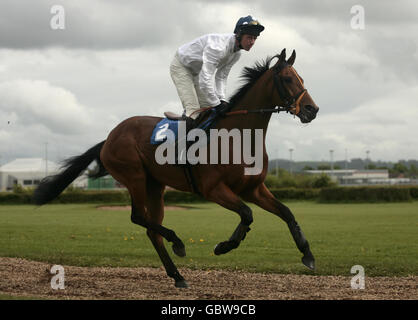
[{"x": 291, "y": 103}]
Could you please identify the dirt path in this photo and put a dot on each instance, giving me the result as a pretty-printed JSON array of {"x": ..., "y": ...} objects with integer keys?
[{"x": 19, "y": 277}]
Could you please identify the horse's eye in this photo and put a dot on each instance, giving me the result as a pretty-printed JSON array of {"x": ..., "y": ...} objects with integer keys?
[{"x": 287, "y": 79}]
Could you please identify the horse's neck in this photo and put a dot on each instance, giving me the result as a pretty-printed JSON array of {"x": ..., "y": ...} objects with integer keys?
[{"x": 257, "y": 97}]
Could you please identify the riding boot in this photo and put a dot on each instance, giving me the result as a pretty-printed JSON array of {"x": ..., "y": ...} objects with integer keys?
[{"x": 189, "y": 123}]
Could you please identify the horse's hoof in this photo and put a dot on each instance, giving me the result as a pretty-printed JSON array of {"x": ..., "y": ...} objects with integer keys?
[
  {"x": 179, "y": 250},
  {"x": 219, "y": 248},
  {"x": 224, "y": 247},
  {"x": 181, "y": 284},
  {"x": 309, "y": 261}
]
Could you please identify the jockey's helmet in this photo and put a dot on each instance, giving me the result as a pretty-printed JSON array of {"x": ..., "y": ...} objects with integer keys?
[{"x": 248, "y": 25}]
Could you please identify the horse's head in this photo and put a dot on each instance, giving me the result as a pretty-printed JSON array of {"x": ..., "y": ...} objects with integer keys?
[{"x": 291, "y": 89}]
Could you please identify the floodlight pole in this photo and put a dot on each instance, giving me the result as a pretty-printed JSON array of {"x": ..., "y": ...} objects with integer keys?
[
  {"x": 367, "y": 165},
  {"x": 346, "y": 159},
  {"x": 46, "y": 159},
  {"x": 277, "y": 163},
  {"x": 331, "y": 156}
]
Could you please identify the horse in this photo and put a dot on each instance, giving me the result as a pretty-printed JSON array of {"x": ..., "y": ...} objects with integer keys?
[{"x": 129, "y": 157}]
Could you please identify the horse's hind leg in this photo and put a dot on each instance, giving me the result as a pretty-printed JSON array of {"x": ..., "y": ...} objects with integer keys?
[
  {"x": 169, "y": 266},
  {"x": 226, "y": 198},
  {"x": 137, "y": 182},
  {"x": 132, "y": 174},
  {"x": 155, "y": 231},
  {"x": 262, "y": 197},
  {"x": 155, "y": 206}
]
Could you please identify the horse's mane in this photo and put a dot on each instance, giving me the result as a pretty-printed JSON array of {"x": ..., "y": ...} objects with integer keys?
[{"x": 250, "y": 76}]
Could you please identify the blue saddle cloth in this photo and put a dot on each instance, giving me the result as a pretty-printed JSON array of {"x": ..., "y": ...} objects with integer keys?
[{"x": 167, "y": 129}]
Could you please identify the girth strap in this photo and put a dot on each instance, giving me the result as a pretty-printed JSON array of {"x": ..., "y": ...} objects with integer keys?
[{"x": 190, "y": 178}]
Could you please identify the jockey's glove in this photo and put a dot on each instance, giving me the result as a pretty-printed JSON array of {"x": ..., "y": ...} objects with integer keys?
[{"x": 222, "y": 108}]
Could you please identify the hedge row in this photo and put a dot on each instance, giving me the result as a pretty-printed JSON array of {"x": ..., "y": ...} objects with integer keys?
[
  {"x": 116, "y": 197},
  {"x": 413, "y": 190},
  {"x": 334, "y": 194},
  {"x": 171, "y": 196},
  {"x": 295, "y": 194},
  {"x": 69, "y": 197},
  {"x": 367, "y": 194}
]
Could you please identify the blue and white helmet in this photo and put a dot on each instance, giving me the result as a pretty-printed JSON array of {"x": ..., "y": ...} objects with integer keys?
[{"x": 248, "y": 25}]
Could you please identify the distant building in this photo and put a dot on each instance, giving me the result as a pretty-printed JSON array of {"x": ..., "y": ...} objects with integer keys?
[
  {"x": 81, "y": 182},
  {"x": 358, "y": 177},
  {"x": 104, "y": 183},
  {"x": 27, "y": 172}
]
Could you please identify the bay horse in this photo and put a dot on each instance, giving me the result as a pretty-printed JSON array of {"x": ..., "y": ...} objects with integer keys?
[{"x": 129, "y": 157}]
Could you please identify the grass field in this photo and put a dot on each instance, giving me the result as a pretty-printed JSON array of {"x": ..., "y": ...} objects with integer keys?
[{"x": 382, "y": 238}]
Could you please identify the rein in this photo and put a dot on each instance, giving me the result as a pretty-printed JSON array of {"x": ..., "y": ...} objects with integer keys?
[
  {"x": 276, "y": 109},
  {"x": 262, "y": 111}
]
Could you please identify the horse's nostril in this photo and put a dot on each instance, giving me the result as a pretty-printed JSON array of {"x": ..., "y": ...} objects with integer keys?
[{"x": 311, "y": 109}]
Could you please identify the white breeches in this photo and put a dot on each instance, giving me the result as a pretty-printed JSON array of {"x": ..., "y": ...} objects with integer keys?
[{"x": 187, "y": 85}]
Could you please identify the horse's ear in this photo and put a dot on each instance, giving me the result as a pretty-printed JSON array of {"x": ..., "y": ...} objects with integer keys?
[
  {"x": 282, "y": 56},
  {"x": 292, "y": 58}
]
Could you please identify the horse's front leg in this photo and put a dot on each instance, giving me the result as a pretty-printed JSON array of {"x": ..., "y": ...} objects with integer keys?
[
  {"x": 262, "y": 197},
  {"x": 225, "y": 197}
]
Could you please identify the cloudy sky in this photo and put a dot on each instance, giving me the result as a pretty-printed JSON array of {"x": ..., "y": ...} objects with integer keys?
[{"x": 69, "y": 87}]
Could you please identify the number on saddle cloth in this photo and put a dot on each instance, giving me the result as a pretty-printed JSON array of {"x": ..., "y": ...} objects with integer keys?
[{"x": 167, "y": 129}]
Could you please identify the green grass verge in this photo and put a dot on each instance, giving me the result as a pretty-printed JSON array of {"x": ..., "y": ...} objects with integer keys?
[{"x": 380, "y": 237}]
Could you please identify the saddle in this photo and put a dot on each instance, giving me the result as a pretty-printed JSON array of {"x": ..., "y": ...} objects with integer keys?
[
  {"x": 202, "y": 113},
  {"x": 173, "y": 116}
]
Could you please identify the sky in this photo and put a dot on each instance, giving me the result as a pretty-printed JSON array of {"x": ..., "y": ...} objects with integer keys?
[{"x": 63, "y": 90}]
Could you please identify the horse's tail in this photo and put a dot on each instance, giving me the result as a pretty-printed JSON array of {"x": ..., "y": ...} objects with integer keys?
[{"x": 50, "y": 187}]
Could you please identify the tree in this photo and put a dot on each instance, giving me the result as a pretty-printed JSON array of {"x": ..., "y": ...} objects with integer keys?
[
  {"x": 413, "y": 170},
  {"x": 399, "y": 169},
  {"x": 371, "y": 166},
  {"x": 322, "y": 181},
  {"x": 324, "y": 167}
]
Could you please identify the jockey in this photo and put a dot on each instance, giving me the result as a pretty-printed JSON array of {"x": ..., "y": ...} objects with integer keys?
[{"x": 200, "y": 68}]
